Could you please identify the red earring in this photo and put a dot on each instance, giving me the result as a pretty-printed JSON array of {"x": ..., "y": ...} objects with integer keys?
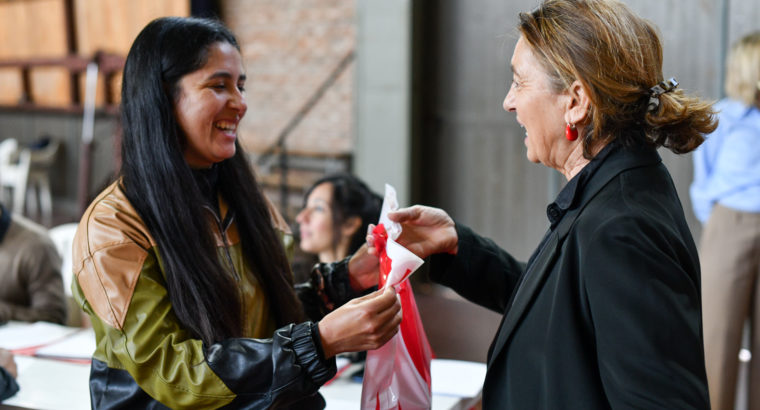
[{"x": 571, "y": 133}]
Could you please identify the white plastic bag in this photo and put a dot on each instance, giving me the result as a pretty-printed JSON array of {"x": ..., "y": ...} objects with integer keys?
[{"x": 397, "y": 375}]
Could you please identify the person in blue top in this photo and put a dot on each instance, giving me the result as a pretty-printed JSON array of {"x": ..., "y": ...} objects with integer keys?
[{"x": 725, "y": 195}]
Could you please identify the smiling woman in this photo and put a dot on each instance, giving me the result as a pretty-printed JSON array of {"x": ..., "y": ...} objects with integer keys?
[
  {"x": 209, "y": 106},
  {"x": 182, "y": 263},
  {"x": 606, "y": 313}
]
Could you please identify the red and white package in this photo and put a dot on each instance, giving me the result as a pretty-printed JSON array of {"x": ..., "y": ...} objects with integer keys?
[{"x": 397, "y": 375}]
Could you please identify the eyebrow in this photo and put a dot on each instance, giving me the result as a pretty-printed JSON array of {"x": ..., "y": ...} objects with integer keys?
[
  {"x": 225, "y": 75},
  {"x": 512, "y": 67}
]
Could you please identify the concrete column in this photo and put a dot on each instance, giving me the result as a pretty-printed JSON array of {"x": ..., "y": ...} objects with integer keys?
[{"x": 383, "y": 94}]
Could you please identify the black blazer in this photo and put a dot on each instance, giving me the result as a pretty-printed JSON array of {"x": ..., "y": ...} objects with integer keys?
[{"x": 609, "y": 313}]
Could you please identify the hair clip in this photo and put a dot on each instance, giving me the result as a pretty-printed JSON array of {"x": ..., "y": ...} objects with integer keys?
[{"x": 655, "y": 92}]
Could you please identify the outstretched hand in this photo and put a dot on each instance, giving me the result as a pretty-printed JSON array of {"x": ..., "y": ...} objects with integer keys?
[
  {"x": 426, "y": 231},
  {"x": 364, "y": 323}
]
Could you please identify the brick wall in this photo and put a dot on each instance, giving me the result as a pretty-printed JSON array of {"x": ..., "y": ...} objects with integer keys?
[{"x": 289, "y": 48}]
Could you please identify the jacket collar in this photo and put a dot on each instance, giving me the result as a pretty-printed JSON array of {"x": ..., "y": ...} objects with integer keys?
[{"x": 617, "y": 160}]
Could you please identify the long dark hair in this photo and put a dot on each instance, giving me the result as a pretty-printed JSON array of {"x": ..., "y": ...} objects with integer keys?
[
  {"x": 160, "y": 185},
  {"x": 350, "y": 197}
]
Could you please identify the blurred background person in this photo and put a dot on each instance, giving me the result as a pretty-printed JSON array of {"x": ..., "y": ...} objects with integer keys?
[
  {"x": 8, "y": 374},
  {"x": 336, "y": 212},
  {"x": 31, "y": 286},
  {"x": 725, "y": 195},
  {"x": 333, "y": 224}
]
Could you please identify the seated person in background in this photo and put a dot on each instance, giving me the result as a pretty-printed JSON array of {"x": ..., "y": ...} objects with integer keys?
[
  {"x": 31, "y": 287},
  {"x": 337, "y": 210},
  {"x": 333, "y": 224},
  {"x": 8, "y": 385}
]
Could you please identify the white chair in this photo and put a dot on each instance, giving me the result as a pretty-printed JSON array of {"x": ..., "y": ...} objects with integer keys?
[
  {"x": 26, "y": 174},
  {"x": 63, "y": 238},
  {"x": 38, "y": 181},
  {"x": 14, "y": 172}
]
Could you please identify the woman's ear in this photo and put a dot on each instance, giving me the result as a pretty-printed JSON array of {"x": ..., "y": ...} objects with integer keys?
[
  {"x": 578, "y": 105},
  {"x": 350, "y": 226}
]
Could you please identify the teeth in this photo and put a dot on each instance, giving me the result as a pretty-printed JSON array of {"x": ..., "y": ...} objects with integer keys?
[{"x": 226, "y": 126}]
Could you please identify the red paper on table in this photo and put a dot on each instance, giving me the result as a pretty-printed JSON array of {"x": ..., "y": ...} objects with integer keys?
[{"x": 397, "y": 375}]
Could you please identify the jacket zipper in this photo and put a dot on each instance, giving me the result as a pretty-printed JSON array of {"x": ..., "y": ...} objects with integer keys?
[{"x": 222, "y": 226}]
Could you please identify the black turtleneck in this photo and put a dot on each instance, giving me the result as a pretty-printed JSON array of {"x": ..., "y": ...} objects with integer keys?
[{"x": 207, "y": 180}]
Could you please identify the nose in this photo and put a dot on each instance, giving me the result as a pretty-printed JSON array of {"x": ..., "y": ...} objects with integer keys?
[
  {"x": 301, "y": 217},
  {"x": 238, "y": 103},
  {"x": 509, "y": 100}
]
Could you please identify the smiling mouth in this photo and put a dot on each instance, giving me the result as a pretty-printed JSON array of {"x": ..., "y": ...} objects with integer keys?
[{"x": 226, "y": 126}]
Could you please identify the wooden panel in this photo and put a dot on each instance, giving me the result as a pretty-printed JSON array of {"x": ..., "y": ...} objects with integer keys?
[
  {"x": 112, "y": 25},
  {"x": 34, "y": 29},
  {"x": 31, "y": 28},
  {"x": 50, "y": 87},
  {"x": 10, "y": 92}
]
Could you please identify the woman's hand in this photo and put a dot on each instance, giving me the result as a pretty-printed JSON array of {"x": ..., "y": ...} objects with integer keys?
[
  {"x": 364, "y": 323},
  {"x": 363, "y": 269},
  {"x": 426, "y": 231},
  {"x": 7, "y": 362}
]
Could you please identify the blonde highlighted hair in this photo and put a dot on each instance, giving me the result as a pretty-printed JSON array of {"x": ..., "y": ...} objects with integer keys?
[
  {"x": 743, "y": 70},
  {"x": 617, "y": 57}
]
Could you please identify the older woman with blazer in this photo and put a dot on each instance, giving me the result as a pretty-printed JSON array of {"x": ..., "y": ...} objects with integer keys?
[{"x": 606, "y": 313}]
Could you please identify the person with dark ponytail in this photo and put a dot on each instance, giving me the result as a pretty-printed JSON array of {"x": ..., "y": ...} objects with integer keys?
[
  {"x": 337, "y": 210},
  {"x": 606, "y": 313},
  {"x": 182, "y": 263}
]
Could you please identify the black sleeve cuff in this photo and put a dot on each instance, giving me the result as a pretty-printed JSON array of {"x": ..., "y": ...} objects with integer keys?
[
  {"x": 335, "y": 280},
  {"x": 8, "y": 385},
  {"x": 307, "y": 345}
]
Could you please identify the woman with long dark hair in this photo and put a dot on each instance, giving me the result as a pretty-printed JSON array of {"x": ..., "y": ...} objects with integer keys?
[{"x": 181, "y": 263}]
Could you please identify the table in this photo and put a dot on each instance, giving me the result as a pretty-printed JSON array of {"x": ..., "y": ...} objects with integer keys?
[
  {"x": 51, "y": 384},
  {"x": 47, "y": 383}
]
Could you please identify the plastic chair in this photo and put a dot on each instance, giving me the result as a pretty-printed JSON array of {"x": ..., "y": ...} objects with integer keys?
[
  {"x": 38, "y": 181},
  {"x": 14, "y": 172},
  {"x": 63, "y": 238}
]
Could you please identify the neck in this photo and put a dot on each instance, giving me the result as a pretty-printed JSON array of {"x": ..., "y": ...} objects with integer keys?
[
  {"x": 576, "y": 161},
  {"x": 333, "y": 255},
  {"x": 574, "y": 164}
]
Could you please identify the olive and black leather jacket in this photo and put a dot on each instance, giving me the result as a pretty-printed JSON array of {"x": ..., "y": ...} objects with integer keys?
[{"x": 145, "y": 358}]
